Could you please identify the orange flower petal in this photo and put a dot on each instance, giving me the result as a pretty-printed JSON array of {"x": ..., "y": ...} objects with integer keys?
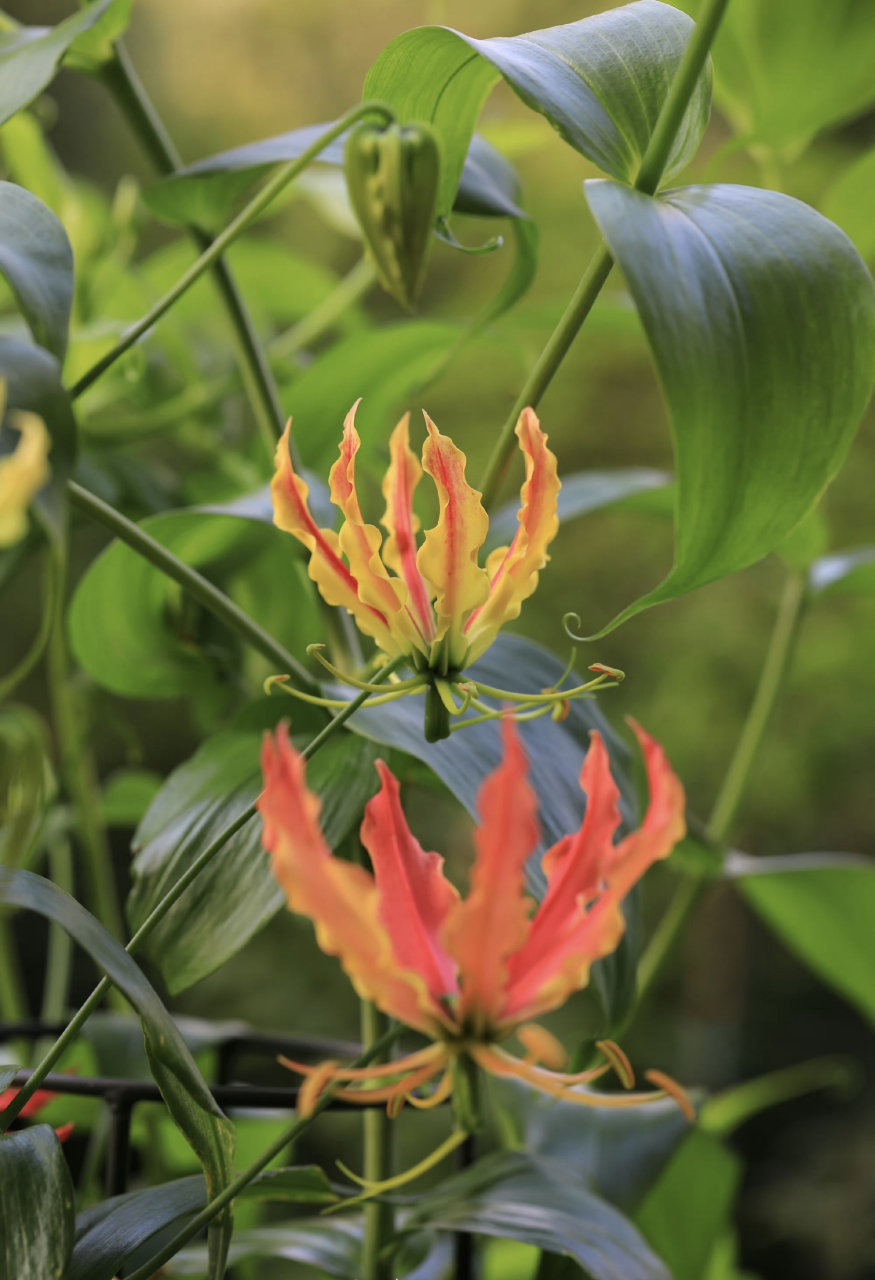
[
  {"x": 340, "y": 898},
  {"x": 580, "y": 919},
  {"x": 361, "y": 542},
  {"x": 414, "y": 894},
  {"x": 492, "y": 922},
  {"x": 399, "y": 553},
  {"x": 337, "y": 585},
  {"x": 514, "y": 576},
  {"x": 447, "y": 558}
]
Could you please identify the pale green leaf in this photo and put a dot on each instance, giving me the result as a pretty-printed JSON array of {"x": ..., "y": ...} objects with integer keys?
[
  {"x": 37, "y": 261},
  {"x": 29, "y": 56}
]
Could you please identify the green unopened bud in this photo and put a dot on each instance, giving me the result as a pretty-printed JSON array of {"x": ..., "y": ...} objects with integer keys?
[{"x": 393, "y": 178}]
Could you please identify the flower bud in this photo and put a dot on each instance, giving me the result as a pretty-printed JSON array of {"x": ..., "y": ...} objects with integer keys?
[{"x": 393, "y": 178}]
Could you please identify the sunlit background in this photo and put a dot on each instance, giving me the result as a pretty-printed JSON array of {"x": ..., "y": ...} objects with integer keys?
[{"x": 735, "y": 1003}]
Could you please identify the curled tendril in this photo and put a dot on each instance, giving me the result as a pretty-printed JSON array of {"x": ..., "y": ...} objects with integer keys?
[{"x": 567, "y": 620}]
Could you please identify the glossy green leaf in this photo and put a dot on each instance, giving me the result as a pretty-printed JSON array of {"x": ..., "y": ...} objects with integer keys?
[
  {"x": 850, "y": 201},
  {"x": 108, "y": 1233},
  {"x": 94, "y": 47},
  {"x": 600, "y": 82},
  {"x": 539, "y": 1203},
  {"x": 788, "y": 69},
  {"x": 189, "y": 1101},
  {"x": 619, "y": 1154},
  {"x": 332, "y": 1245},
  {"x": 581, "y": 492},
  {"x": 33, "y": 382},
  {"x": 844, "y": 572},
  {"x": 822, "y": 906},
  {"x": 36, "y": 1205},
  {"x": 205, "y": 193},
  {"x": 37, "y": 261},
  {"x": 689, "y": 1208},
  {"x": 761, "y": 318},
  {"x": 236, "y": 894},
  {"x": 29, "y": 56}
]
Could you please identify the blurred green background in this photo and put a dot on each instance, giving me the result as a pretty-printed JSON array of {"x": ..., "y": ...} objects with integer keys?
[{"x": 224, "y": 72}]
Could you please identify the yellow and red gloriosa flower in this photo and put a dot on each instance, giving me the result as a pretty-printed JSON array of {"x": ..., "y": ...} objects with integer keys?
[
  {"x": 469, "y": 972},
  {"x": 434, "y": 606}
]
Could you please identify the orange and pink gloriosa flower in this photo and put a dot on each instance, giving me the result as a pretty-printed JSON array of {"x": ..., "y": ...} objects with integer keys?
[
  {"x": 467, "y": 973},
  {"x": 34, "y": 1105},
  {"x": 432, "y": 605}
]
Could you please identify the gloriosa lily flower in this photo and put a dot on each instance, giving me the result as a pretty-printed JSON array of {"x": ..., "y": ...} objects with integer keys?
[
  {"x": 437, "y": 608},
  {"x": 469, "y": 972},
  {"x": 23, "y": 472},
  {"x": 34, "y": 1105}
]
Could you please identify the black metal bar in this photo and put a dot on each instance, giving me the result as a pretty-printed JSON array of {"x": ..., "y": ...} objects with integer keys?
[
  {"x": 121, "y": 1105},
  {"x": 464, "y": 1240},
  {"x": 256, "y": 1041}
]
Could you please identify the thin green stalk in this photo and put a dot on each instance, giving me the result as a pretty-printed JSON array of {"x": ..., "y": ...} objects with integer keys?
[
  {"x": 56, "y": 984},
  {"x": 68, "y": 1035},
  {"x": 13, "y": 1002},
  {"x": 354, "y": 285},
  {"x": 652, "y": 165},
  {"x": 379, "y": 1218},
  {"x": 193, "y": 582},
  {"x": 22, "y": 669},
  {"x": 735, "y": 781},
  {"x": 202, "y": 1219},
  {"x": 284, "y": 175}
]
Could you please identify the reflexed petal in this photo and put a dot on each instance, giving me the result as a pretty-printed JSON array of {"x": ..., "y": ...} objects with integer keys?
[
  {"x": 336, "y": 584},
  {"x": 399, "y": 553},
  {"x": 23, "y": 472},
  {"x": 580, "y": 919},
  {"x": 514, "y": 576},
  {"x": 361, "y": 542},
  {"x": 414, "y": 894},
  {"x": 340, "y": 898},
  {"x": 447, "y": 558},
  {"x": 492, "y": 922}
]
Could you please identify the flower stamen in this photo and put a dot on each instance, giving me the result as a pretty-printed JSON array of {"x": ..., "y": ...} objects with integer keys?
[
  {"x": 674, "y": 1090},
  {"x": 618, "y": 1060},
  {"x": 401, "y": 1179}
]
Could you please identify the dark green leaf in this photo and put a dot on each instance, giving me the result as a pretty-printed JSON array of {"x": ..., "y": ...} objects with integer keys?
[
  {"x": 26, "y": 780},
  {"x": 844, "y": 572},
  {"x": 489, "y": 185},
  {"x": 189, "y": 1101},
  {"x": 332, "y": 1245},
  {"x": 823, "y": 907},
  {"x": 600, "y": 82},
  {"x": 29, "y": 56},
  {"x": 8, "y": 1072},
  {"x": 537, "y": 1202},
  {"x": 688, "y": 1210},
  {"x": 109, "y": 1232},
  {"x": 618, "y": 1153},
  {"x": 849, "y": 204},
  {"x": 236, "y": 894},
  {"x": 761, "y": 318},
  {"x": 36, "y": 1205},
  {"x": 581, "y": 492},
  {"x": 37, "y": 261}
]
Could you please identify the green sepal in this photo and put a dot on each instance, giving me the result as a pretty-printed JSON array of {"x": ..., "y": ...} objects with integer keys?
[
  {"x": 393, "y": 178},
  {"x": 437, "y": 717},
  {"x": 467, "y": 1094}
]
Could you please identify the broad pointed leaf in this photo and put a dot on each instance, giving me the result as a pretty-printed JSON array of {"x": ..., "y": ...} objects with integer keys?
[
  {"x": 37, "y": 261},
  {"x": 844, "y": 572},
  {"x": 236, "y": 894},
  {"x": 849, "y": 203},
  {"x": 761, "y": 318},
  {"x": 189, "y": 1101},
  {"x": 332, "y": 1245},
  {"x": 36, "y": 1205},
  {"x": 29, "y": 56},
  {"x": 600, "y": 82}
]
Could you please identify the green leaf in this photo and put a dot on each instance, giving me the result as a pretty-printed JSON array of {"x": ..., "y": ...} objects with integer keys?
[
  {"x": 723, "y": 1114},
  {"x": 108, "y": 1233},
  {"x": 33, "y": 382},
  {"x": 37, "y": 261},
  {"x": 844, "y": 572},
  {"x": 29, "y": 56},
  {"x": 94, "y": 47},
  {"x": 761, "y": 318},
  {"x": 26, "y": 780},
  {"x": 127, "y": 795},
  {"x": 581, "y": 492},
  {"x": 619, "y": 1154},
  {"x": 236, "y": 894},
  {"x": 8, "y": 1072},
  {"x": 539, "y": 1203},
  {"x": 822, "y": 906},
  {"x": 36, "y": 1205},
  {"x": 333, "y": 1246},
  {"x": 600, "y": 82},
  {"x": 788, "y": 69},
  {"x": 849, "y": 204},
  {"x": 189, "y": 1101},
  {"x": 689, "y": 1208}
]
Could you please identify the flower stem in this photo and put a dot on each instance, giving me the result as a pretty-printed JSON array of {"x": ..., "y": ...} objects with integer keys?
[
  {"x": 379, "y": 1221},
  {"x": 354, "y": 285},
  {"x": 68, "y": 1035},
  {"x": 193, "y": 582},
  {"x": 655, "y": 157},
  {"x": 737, "y": 776},
  {"x": 23, "y": 668},
  {"x": 284, "y": 175}
]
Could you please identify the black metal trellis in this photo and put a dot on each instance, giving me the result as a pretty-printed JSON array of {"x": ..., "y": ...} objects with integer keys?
[{"x": 121, "y": 1096}]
